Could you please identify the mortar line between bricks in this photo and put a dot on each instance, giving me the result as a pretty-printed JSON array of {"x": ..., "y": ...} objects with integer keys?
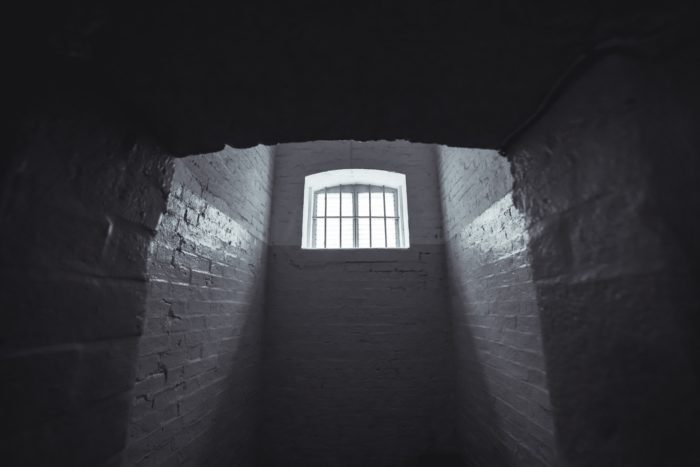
[{"x": 62, "y": 347}]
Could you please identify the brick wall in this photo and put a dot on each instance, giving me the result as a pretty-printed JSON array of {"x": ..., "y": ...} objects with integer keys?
[
  {"x": 604, "y": 177},
  {"x": 504, "y": 412},
  {"x": 80, "y": 201},
  {"x": 196, "y": 396},
  {"x": 359, "y": 359}
]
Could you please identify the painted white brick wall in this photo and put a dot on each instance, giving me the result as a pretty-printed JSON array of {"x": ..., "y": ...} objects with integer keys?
[
  {"x": 504, "y": 410},
  {"x": 196, "y": 400},
  {"x": 359, "y": 361},
  {"x": 293, "y": 162}
]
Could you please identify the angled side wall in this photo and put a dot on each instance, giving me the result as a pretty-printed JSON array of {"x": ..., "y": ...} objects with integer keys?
[
  {"x": 504, "y": 412},
  {"x": 196, "y": 400}
]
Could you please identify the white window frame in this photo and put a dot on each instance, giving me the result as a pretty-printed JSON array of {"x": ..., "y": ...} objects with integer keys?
[{"x": 334, "y": 178}]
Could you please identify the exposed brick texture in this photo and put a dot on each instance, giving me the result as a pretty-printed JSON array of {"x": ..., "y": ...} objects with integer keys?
[
  {"x": 603, "y": 178},
  {"x": 79, "y": 206},
  {"x": 133, "y": 287},
  {"x": 196, "y": 399},
  {"x": 359, "y": 365},
  {"x": 504, "y": 413}
]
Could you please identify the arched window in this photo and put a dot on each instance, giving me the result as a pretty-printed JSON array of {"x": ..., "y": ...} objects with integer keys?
[{"x": 355, "y": 208}]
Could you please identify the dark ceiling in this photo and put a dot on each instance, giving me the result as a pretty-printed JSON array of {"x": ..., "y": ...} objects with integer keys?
[{"x": 197, "y": 75}]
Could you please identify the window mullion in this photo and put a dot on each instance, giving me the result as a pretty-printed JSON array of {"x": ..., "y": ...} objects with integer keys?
[
  {"x": 397, "y": 222},
  {"x": 386, "y": 243},
  {"x": 369, "y": 200},
  {"x": 355, "y": 220}
]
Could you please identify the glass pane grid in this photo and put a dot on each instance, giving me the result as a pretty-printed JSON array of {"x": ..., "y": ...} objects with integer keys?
[{"x": 355, "y": 216}]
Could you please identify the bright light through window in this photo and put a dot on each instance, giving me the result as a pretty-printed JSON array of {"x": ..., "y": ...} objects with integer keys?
[
  {"x": 355, "y": 216},
  {"x": 355, "y": 208}
]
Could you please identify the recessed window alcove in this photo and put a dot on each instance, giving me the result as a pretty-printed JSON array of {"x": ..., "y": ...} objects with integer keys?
[{"x": 165, "y": 309}]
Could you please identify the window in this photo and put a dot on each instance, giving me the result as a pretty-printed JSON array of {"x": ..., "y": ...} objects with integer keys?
[{"x": 355, "y": 208}]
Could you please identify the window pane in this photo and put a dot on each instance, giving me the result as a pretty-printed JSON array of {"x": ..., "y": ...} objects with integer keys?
[
  {"x": 363, "y": 233},
  {"x": 377, "y": 204},
  {"x": 356, "y": 232},
  {"x": 333, "y": 202},
  {"x": 332, "y": 232},
  {"x": 391, "y": 231},
  {"x": 378, "y": 240},
  {"x": 347, "y": 233},
  {"x": 362, "y": 202},
  {"x": 347, "y": 202},
  {"x": 319, "y": 225},
  {"x": 390, "y": 202},
  {"x": 320, "y": 204}
]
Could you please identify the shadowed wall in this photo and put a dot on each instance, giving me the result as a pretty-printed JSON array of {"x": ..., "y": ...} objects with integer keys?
[
  {"x": 603, "y": 179},
  {"x": 81, "y": 199}
]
